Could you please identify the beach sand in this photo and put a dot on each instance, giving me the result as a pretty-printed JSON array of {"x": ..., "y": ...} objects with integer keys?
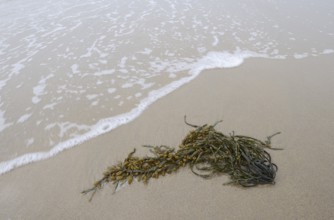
[{"x": 258, "y": 98}]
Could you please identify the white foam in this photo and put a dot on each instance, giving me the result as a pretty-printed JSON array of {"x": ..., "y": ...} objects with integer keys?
[
  {"x": 95, "y": 103},
  {"x": 144, "y": 85},
  {"x": 215, "y": 41},
  {"x": 328, "y": 51},
  {"x": 111, "y": 90},
  {"x": 226, "y": 59},
  {"x": 170, "y": 37},
  {"x": 30, "y": 141},
  {"x": 158, "y": 65},
  {"x": 50, "y": 106},
  {"x": 104, "y": 72},
  {"x": 89, "y": 50},
  {"x": 92, "y": 96},
  {"x": 127, "y": 85},
  {"x": 23, "y": 118},
  {"x": 63, "y": 127},
  {"x": 146, "y": 51},
  {"x": 123, "y": 71},
  {"x": 209, "y": 61},
  {"x": 123, "y": 62},
  {"x": 17, "y": 67},
  {"x": 74, "y": 68},
  {"x": 3, "y": 83},
  {"x": 35, "y": 99},
  {"x": 39, "y": 90},
  {"x": 300, "y": 56}
]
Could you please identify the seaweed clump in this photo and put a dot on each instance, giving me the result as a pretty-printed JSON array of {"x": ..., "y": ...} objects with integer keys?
[{"x": 207, "y": 152}]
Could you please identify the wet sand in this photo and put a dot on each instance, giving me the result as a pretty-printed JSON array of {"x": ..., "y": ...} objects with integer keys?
[{"x": 259, "y": 98}]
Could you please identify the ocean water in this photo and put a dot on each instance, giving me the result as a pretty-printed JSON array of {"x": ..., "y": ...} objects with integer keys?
[{"x": 72, "y": 70}]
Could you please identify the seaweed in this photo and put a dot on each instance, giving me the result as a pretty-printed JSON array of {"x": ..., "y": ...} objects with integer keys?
[{"x": 207, "y": 152}]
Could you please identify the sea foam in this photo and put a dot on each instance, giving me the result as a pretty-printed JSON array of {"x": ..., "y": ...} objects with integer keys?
[
  {"x": 128, "y": 60},
  {"x": 211, "y": 60}
]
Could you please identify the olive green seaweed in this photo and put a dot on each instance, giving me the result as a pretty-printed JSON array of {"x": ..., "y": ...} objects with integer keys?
[{"x": 207, "y": 152}]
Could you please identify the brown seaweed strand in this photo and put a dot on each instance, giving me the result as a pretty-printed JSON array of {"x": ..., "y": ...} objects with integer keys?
[{"x": 207, "y": 152}]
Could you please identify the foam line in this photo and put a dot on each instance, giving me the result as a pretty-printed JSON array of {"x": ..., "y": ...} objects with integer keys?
[{"x": 210, "y": 61}]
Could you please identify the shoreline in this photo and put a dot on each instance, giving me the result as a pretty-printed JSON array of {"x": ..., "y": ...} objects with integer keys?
[
  {"x": 258, "y": 98},
  {"x": 211, "y": 60}
]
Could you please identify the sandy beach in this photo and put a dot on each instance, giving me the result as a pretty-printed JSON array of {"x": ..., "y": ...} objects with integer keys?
[{"x": 259, "y": 98}]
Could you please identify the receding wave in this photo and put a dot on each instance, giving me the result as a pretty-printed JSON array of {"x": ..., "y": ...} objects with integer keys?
[
  {"x": 73, "y": 70},
  {"x": 210, "y": 61}
]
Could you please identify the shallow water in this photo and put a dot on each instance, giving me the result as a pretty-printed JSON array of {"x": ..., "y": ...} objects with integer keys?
[{"x": 73, "y": 70}]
